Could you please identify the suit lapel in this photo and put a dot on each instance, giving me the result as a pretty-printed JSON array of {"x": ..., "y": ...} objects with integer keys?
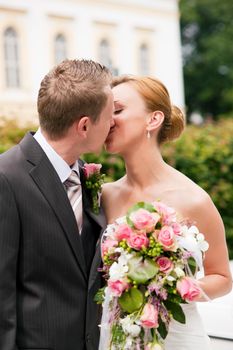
[
  {"x": 99, "y": 219},
  {"x": 52, "y": 189}
]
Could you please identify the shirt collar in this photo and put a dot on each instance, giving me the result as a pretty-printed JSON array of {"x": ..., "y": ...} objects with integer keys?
[{"x": 61, "y": 167}]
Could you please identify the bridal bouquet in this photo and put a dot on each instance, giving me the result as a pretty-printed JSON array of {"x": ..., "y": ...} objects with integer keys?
[{"x": 149, "y": 260}]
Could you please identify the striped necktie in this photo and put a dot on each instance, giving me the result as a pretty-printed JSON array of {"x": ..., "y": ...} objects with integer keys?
[{"x": 74, "y": 191}]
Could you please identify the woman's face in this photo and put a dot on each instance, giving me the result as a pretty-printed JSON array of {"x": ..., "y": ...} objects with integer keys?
[{"x": 130, "y": 117}]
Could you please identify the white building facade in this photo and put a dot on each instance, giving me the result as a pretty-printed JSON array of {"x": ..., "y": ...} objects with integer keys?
[{"x": 130, "y": 36}]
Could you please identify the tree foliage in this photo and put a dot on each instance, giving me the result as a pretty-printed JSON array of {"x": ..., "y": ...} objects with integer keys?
[{"x": 207, "y": 34}]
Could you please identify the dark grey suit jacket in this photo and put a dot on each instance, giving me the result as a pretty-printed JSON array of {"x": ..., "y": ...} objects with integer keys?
[{"x": 46, "y": 289}]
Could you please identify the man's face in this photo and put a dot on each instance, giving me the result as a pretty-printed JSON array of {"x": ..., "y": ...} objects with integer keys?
[{"x": 100, "y": 129}]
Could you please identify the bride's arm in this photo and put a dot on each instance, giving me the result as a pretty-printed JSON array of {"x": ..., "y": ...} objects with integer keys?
[{"x": 217, "y": 280}]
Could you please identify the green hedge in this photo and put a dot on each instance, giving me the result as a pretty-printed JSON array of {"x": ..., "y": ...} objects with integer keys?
[{"x": 205, "y": 154}]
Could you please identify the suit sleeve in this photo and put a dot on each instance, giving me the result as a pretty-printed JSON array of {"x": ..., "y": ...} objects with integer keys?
[{"x": 9, "y": 246}]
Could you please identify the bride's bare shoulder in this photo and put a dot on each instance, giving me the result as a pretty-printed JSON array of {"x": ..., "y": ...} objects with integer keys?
[{"x": 192, "y": 197}]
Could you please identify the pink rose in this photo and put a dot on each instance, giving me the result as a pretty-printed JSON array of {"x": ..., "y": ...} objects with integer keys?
[
  {"x": 123, "y": 232},
  {"x": 155, "y": 234},
  {"x": 167, "y": 238},
  {"x": 143, "y": 219},
  {"x": 176, "y": 228},
  {"x": 149, "y": 317},
  {"x": 188, "y": 289},
  {"x": 108, "y": 245},
  {"x": 118, "y": 287},
  {"x": 91, "y": 168},
  {"x": 168, "y": 213},
  {"x": 138, "y": 241},
  {"x": 165, "y": 264}
]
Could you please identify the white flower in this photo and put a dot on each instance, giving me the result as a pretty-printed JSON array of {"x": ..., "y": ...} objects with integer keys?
[
  {"x": 128, "y": 343},
  {"x": 188, "y": 242},
  {"x": 152, "y": 346},
  {"x": 203, "y": 246},
  {"x": 121, "y": 220},
  {"x": 125, "y": 322},
  {"x": 117, "y": 271},
  {"x": 200, "y": 237},
  {"x": 119, "y": 250},
  {"x": 134, "y": 330},
  {"x": 124, "y": 258},
  {"x": 170, "y": 278},
  {"x": 109, "y": 232},
  {"x": 129, "y": 327},
  {"x": 184, "y": 230},
  {"x": 193, "y": 230},
  {"x": 179, "y": 272},
  {"x": 193, "y": 241}
]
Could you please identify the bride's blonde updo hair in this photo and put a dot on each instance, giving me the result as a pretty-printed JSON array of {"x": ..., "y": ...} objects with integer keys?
[{"x": 156, "y": 98}]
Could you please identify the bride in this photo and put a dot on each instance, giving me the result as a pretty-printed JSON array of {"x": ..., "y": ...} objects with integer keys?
[{"x": 144, "y": 120}]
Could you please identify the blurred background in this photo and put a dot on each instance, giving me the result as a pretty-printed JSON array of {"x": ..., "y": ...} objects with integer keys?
[{"x": 187, "y": 44}]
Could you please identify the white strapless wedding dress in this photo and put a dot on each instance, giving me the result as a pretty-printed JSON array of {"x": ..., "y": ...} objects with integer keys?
[{"x": 188, "y": 336}]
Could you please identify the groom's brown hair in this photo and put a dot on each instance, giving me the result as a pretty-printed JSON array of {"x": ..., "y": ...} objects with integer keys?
[{"x": 72, "y": 89}]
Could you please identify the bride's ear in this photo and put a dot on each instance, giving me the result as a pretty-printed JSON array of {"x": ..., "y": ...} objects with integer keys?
[{"x": 154, "y": 120}]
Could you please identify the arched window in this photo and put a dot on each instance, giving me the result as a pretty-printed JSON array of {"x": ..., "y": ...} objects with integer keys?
[
  {"x": 144, "y": 60},
  {"x": 11, "y": 58},
  {"x": 104, "y": 53},
  {"x": 60, "y": 48}
]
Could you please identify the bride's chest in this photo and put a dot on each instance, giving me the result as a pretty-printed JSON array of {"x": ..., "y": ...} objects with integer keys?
[{"x": 120, "y": 206}]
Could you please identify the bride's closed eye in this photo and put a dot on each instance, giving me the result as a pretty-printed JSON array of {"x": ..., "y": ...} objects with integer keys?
[{"x": 117, "y": 111}]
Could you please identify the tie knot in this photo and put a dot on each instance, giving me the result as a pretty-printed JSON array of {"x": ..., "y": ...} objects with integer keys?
[{"x": 73, "y": 180}]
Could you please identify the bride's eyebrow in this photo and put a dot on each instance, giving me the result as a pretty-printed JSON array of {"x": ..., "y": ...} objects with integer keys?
[{"x": 118, "y": 104}]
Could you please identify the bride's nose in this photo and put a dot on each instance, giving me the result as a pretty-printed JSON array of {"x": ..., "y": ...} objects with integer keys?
[{"x": 112, "y": 124}]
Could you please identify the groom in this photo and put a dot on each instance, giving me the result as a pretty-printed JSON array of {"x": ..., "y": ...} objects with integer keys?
[{"x": 48, "y": 254}]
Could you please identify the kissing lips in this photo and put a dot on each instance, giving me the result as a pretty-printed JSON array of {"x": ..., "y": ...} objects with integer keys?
[{"x": 109, "y": 134}]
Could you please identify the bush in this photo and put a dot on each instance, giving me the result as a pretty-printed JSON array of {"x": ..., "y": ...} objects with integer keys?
[
  {"x": 204, "y": 154},
  {"x": 10, "y": 134}
]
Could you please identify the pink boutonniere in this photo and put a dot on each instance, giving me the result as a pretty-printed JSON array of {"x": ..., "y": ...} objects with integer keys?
[{"x": 94, "y": 182}]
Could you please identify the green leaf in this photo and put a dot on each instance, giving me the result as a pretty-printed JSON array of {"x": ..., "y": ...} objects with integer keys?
[
  {"x": 99, "y": 297},
  {"x": 131, "y": 301},
  {"x": 176, "y": 310},
  {"x": 141, "y": 270},
  {"x": 162, "y": 329},
  {"x": 192, "y": 265},
  {"x": 141, "y": 205}
]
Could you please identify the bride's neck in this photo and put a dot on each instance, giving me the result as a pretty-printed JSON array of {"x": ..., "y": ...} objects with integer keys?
[{"x": 144, "y": 167}]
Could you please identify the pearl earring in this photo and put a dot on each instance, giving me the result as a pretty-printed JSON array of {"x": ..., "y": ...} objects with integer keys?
[{"x": 148, "y": 134}]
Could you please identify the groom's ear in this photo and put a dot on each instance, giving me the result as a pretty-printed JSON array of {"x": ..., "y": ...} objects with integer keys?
[
  {"x": 82, "y": 126},
  {"x": 154, "y": 120}
]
